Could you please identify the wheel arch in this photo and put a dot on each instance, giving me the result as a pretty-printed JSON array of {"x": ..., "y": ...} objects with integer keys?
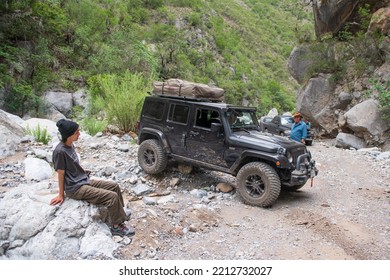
[
  {"x": 151, "y": 133},
  {"x": 247, "y": 157}
]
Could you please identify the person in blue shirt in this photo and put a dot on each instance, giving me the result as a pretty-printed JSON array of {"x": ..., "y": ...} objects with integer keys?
[{"x": 299, "y": 129}]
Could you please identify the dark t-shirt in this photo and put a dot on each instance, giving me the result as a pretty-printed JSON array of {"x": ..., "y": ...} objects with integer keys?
[{"x": 65, "y": 158}]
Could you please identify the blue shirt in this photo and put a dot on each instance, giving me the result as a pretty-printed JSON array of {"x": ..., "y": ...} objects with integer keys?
[{"x": 298, "y": 131}]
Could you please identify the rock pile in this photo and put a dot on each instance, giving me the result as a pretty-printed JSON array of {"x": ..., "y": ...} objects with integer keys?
[{"x": 32, "y": 229}]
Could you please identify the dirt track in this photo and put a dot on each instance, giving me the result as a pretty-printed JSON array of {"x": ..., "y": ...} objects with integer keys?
[{"x": 345, "y": 215}]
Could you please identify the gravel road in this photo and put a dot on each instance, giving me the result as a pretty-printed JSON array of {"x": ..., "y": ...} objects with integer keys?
[{"x": 343, "y": 216}]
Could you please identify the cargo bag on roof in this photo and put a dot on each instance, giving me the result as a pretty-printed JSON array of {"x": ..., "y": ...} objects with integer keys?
[{"x": 176, "y": 87}]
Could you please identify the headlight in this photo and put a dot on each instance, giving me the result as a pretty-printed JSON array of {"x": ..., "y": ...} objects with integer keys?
[
  {"x": 287, "y": 132},
  {"x": 282, "y": 151}
]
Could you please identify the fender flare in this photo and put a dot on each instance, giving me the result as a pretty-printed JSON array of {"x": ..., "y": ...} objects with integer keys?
[
  {"x": 150, "y": 133},
  {"x": 265, "y": 157}
]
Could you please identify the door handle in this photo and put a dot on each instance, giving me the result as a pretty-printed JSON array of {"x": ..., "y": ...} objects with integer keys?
[
  {"x": 183, "y": 139},
  {"x": 169, "y": 128},
  {"x": 194, "y": 133}
]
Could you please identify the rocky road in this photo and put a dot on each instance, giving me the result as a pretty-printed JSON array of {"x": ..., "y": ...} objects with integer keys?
[{"x": 343, "y": 216}]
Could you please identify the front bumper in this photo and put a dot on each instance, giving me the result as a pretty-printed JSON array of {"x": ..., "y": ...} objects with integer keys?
[{"x": 305, "y": 169}]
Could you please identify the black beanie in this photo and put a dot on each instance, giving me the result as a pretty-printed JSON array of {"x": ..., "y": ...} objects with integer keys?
[{"x": 66, "y": 128}]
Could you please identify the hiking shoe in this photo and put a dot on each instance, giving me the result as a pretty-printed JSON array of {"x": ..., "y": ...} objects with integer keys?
[{"x": 122, "y": 230}]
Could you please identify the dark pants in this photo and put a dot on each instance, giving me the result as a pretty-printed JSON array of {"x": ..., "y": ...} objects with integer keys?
[{"x": 103, "y": 193}]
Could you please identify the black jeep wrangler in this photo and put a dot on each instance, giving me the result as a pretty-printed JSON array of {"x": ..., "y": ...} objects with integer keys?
[{"x": 222, "y": 137}]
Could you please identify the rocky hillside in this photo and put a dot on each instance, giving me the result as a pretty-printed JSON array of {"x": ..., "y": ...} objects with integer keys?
[
  {"x": 341, "y": 79},
  {"x": 341, "y": 82},
  {"x": 241, "y": 46}
]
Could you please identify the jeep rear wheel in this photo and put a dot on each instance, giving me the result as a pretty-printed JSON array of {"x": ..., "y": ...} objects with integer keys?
[
  {"x": 151, "y": 157},
  {"x": 258, "y": 184}
]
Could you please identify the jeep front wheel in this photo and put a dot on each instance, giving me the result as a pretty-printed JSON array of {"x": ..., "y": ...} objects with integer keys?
[
  {"x": 151, "y": 157},
  {"x": 258, "y": 184}
]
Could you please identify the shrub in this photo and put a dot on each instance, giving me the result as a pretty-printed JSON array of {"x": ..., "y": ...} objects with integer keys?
[
  {"x": 40, "y": 134},
  {"x": 195, "y": 19},
  {"x": 21, "y": 99},
  {"x": 93, "y": 126},
  {"x": 384, "y": 99},
  {"x": 122, "y": 96}
]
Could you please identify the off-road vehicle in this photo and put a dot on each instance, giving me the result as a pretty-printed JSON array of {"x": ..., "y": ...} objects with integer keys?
[{"x": 223, "y": 137}]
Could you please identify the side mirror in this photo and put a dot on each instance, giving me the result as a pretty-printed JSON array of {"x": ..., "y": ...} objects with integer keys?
[{"x": 216, "y": 127}]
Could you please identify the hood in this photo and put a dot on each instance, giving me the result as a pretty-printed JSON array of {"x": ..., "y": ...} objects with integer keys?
[{"x": 257, "y": 140}]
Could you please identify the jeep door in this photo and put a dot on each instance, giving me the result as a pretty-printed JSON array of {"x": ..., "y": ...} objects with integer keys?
[
  {"x": 203, "y": 144},
  {"x": 176, "y": 127}
]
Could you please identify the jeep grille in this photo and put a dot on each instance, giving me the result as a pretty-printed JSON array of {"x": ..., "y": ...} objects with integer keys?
[{"x": 296, "y": 153}]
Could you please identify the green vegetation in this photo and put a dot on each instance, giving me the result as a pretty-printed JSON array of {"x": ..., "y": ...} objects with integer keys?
[
  {"x": 93, "y": 126},
  {"x": 383, "y": 92},
  {"x": 122, "y": 97},
  {"x": 241, "y": 46},
  {"x": 349, "y": 54},
  {"x": 40, "y": 134}
]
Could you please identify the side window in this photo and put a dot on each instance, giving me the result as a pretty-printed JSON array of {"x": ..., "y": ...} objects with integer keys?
[
  {"x": 204, "y": 118},
  {"x": 178, "y": 113},
  {"x": 154, "y": 109}
]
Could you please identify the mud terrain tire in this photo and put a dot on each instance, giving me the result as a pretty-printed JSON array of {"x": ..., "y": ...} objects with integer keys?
[
  {"x": 151, "y": 157},
  {"x": 258, "y": 184}
]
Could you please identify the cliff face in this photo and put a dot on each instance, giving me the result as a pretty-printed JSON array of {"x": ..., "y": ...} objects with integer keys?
[
  {"x": 338, "y": 78},
  {"x": 330, "y": 16}
]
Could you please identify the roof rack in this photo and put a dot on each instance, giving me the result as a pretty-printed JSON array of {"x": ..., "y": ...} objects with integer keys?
[{"x": 181, "y": 97}]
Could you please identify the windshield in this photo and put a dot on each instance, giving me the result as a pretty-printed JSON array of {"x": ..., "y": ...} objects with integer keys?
[
  {"x": 242, "y": 119},
  {"x": 287, "y": 120}
]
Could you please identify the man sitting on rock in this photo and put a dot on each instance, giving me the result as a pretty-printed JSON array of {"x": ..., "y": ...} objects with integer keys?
[{"x": 74, "y": 181}]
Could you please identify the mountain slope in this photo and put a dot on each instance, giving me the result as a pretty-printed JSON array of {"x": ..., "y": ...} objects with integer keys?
[{"x": 240, "y": 45}]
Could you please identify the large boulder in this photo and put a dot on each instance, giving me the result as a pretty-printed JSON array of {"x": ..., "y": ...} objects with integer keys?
[
  {"x": 11, "y": 132},
  {"x": 365, "y": 121},
  {"x": 30, "y": 228},
  {"x": 37, "y": 169},
  {"x": 301, "y": 61},
  {"x": 330, "y": 16},
  {"x": 326, "y": 122},
  {"x": 380, "y": 21},
  {"x": 59, "y": 104},
  {"x": 80, "y": 98},
  {"x": 345, "y": 140},
  {"x": 315, "y": 97},
  {"x": 343, "y": 100}
]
